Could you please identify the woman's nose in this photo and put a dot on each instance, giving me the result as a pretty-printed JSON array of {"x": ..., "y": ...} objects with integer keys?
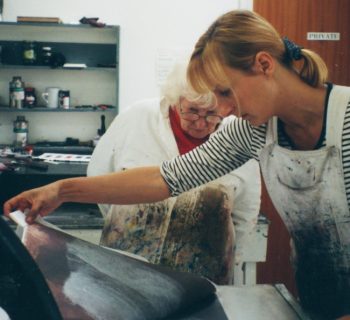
[
  {"x": 235, "y": 111},
  {"x": 229, "y": 109},
  {"x": 201, "y": 123},
  {"x": 226, "y": 106}
]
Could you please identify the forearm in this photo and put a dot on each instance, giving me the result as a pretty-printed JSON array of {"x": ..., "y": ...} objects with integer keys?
[
  {"x": 127, "y": 187},
  {"x": 139, "y": 185}
]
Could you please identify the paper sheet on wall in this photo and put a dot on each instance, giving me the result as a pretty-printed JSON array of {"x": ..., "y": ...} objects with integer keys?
[{"x": 166, "y": 58}]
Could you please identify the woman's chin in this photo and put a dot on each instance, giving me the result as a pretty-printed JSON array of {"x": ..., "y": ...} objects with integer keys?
[
  {"x": 253, "y": 121},
  {"x": 199, "y": 135}
]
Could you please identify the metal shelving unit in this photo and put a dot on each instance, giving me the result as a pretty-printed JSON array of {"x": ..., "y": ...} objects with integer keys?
[{"x": 96, "y": 84}]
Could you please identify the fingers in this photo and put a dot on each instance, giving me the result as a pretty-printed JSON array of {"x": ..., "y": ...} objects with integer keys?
[
  {"x": 39, "y": 201},
  {"x": 31, "y": 210},
  {"x": 35, "y": 211},
  {"x": 16, "y": 203},
  {"x": 25, "y": 203},
  {"x": 31, "y": 216}
]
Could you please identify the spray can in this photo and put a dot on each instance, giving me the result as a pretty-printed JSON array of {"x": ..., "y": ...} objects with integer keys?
[
  {"x": 20, "y": 128},
  {"x": 16, "y": 90}
]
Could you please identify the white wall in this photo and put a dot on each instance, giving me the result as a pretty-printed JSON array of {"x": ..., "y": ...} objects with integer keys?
[{"x": 149, "y": 29}]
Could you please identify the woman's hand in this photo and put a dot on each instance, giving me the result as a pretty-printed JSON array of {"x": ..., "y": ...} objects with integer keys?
[
  {"x": 138, "y": 185},
  {"x": 344, "y": 318},
  {"x": 39, "y": 201}
]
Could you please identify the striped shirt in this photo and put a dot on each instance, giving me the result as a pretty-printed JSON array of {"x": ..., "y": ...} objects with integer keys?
[{"x": 231, "y": 147}]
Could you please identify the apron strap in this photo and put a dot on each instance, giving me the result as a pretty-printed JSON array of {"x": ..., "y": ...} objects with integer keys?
[
  {"x": 271, "y": 133},
  {"x": 337, "y": 105}
]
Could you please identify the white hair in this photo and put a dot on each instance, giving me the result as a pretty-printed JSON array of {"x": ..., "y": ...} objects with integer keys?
[{"x": 177, "y": 86}]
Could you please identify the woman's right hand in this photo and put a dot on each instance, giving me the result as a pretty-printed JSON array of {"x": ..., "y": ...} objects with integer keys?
[{"x": 40, "y": 201}]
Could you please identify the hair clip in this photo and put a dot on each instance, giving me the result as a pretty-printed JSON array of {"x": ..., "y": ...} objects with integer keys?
[{"x": 293, "y": 50}]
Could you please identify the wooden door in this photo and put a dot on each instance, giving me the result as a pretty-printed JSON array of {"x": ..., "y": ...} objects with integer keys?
[{"x": 295, "y": 19}]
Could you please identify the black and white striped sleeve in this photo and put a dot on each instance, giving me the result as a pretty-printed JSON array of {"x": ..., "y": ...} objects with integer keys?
[
  {"x": 346, "y": 152},
  {"x": 226, "y": 150}
]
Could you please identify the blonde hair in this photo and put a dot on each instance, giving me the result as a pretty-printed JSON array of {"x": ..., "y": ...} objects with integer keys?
[{"x": 233, "y": 40}]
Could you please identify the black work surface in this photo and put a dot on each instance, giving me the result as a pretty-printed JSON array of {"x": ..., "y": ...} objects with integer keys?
[
  {"x": 55, "y": 171},
  {"x": 76, "y": 216},
  {"x": 24, "y": 178}
]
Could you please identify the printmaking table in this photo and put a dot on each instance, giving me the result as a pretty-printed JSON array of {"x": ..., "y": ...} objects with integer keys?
[
  {"x": 258, "y": 302},
  {"x": 98, "y": 283}
]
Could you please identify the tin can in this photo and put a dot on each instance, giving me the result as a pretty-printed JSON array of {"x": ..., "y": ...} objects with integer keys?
[{"x": 64, "y": 97}]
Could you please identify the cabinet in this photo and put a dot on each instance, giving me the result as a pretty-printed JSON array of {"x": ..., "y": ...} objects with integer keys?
[{"x": 93, "y": 85}]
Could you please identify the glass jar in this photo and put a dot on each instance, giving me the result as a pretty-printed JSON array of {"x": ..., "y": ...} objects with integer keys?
[
  {"x": 63, "y": 97},
  {"x": 16, "y": 88},
  {"x": 20, "y": 128},
  {"x": 29, "y": 97}
]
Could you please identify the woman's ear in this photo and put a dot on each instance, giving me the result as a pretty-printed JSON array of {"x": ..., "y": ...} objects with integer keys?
[{"x": 264, "y": 63}]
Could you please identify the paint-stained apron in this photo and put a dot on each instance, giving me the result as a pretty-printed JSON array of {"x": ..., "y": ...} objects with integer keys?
[{"x": 308, "y": 191}]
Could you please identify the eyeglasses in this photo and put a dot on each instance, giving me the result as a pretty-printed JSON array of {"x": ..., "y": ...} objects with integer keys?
[{"x": 192, "y": 116}]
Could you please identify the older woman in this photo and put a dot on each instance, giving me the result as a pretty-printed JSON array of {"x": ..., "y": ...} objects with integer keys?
[{"x": 193, "y": 232}]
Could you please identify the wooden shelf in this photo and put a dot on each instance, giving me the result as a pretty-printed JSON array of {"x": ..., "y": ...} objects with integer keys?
[{"x": 33, "y": 67}]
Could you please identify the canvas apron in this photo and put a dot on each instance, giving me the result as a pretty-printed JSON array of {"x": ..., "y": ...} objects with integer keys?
[{"x": 307, "y": 189}]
